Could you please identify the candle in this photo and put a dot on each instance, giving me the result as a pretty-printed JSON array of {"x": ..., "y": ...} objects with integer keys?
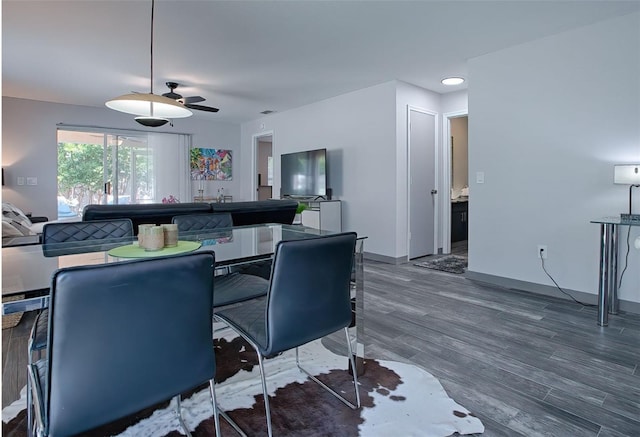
[{"x": 170, "y": 235}]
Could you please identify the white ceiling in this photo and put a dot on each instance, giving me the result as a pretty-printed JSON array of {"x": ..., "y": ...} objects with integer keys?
[{"x": 248, "y": 56}]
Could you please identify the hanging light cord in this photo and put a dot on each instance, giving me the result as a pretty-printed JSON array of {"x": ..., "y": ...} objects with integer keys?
[{"x": 153, "y": 2}]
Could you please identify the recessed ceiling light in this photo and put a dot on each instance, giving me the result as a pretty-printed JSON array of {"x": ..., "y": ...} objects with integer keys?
[{"x": 452, "y": 80}]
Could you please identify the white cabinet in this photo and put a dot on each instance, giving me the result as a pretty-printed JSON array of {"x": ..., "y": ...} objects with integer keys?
[{"x": 324, "y": 214}]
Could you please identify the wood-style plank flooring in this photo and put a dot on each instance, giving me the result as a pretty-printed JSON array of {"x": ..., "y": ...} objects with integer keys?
[{"x": 525, "y": 364}]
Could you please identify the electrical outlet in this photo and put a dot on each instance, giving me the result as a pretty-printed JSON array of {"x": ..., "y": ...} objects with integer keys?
[{"x": 542, "y": 251}]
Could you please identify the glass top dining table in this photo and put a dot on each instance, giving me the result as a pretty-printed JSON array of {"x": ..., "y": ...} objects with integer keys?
[{"x": 27, "y": 272}]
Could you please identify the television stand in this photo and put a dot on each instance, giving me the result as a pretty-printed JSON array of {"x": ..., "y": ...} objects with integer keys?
[
  {"x": 322, "y": 214},
  {"x": 305, "y": 199}
]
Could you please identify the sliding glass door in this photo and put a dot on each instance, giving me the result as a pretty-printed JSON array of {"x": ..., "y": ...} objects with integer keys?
[{"x": 119, "y": 168}]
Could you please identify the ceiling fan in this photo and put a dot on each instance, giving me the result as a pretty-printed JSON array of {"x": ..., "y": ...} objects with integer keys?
[{"x": 187, "y": 101}]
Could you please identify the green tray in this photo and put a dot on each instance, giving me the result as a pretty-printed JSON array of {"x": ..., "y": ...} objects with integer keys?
[{"x": 135, "y": 251}]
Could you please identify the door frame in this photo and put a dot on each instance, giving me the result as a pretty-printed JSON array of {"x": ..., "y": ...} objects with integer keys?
[
  {"x": 436, "y": 160},
  {"x": 255, "y": 138},
  {"x": 446, "y": 164}
]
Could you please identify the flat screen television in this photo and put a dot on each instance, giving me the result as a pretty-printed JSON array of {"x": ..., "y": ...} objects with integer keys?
[{"x": 304, "y": 174}]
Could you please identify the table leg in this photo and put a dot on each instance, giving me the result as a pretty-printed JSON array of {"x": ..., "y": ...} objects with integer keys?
[
  {"x": 613, "y": 270},
  {"x": 359, "y": 328},
  {"x": 605, "y": 278}
]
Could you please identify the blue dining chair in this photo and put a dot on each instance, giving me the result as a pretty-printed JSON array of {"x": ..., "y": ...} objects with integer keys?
[
  {"x": 231, "y": 286},
  {"x": 197, "y": 222},
  {"x": 71, "y": 238},
  {"x": 81, "y": 237},
  {"x": 308, "y": 297},
  {"x": 65, "y": 238},
  {"x": 123, "y": 337}
]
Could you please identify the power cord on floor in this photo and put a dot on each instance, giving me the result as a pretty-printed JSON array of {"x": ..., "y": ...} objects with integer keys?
[
  {"x": 626, "y": 257},
  {"x": 560, "y": 288}
]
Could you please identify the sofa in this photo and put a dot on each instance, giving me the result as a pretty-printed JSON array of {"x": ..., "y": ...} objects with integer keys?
[
  {"x": 259, "y": 211},
  {"x": 242, "y": 213},
  {"x": 20, "y": 229}
]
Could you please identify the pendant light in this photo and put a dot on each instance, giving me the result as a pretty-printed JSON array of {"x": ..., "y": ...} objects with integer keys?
[{"x": 152, "y": 110}]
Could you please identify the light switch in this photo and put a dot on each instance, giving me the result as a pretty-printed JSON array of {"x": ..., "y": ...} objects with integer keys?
[
  {"x": 480, "y": 177},
  {"x": 32, "y": 181},
  {"x": 20, "y": 180}
]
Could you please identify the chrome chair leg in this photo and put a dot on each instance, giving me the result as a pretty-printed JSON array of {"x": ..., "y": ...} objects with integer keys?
[
  {"x": 265, "y": 394},
  {"x": 29, "y": 409},
  {"x": 37, "y": 424},
  {"x": 329, "y": 389},
  {"x": 217, "y": 411},
  {"x": 30, "y": 413},
  {"x": 179, "y": 414},
  {"x": 214, "y": 404}
]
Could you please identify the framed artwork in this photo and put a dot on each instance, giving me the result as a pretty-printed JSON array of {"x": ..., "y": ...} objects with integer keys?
[{"x": 211, "y": 164}]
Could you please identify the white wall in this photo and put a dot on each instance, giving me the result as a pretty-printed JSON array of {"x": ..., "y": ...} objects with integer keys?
[
  {"x": 29, "y": 146},
  {"x": 457, "y": 101},
  {"x": 365, "y": 133},
  {"x": 547, "y": 122},
  {"x": 358, "y": 131}
]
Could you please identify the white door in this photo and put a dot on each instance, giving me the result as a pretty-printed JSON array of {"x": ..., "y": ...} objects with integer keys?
[{"x": 422, "y": 181}]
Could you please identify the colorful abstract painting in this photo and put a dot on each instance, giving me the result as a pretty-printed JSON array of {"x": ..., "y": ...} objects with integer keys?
[{"x": 211, "y": 164}]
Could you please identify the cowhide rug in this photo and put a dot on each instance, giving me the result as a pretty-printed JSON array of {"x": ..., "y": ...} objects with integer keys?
[{"x": 397, "y": 400}]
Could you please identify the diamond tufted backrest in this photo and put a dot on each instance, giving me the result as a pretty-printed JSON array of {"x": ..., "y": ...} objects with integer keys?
[
  {"x": 198, "y": 222},
  {"x": 90, "y": 236}
]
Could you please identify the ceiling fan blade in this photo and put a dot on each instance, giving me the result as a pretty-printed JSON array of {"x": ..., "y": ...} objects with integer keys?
[
  {"x": 201, "y": 107},
  {"x": 192, "y": 99},
  {"x": 172, "y": 95}
]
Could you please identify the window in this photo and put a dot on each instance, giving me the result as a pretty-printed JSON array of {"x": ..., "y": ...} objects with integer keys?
[{"x": 118, "y": 168}]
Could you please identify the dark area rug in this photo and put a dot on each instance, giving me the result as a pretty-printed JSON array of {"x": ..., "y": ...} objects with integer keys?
[{"x": 449, "y": 263}]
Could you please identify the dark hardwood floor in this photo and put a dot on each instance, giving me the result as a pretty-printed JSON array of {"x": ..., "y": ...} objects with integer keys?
[{"x": 525, "y": 364}]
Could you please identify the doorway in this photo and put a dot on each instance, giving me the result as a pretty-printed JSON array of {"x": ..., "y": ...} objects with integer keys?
[
  {"x": 421, "y": 155},
  {"x": 459, "y": 180},
  {"x": 263, "y": 145}
]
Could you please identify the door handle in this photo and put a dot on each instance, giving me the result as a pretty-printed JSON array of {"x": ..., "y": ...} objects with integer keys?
[{"x": 434, "y": 191}]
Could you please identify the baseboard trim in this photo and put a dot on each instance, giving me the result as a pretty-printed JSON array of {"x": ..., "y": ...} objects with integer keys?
[
  {"x": 384, "y": 259},
  {"x": 546, "y": 290}
]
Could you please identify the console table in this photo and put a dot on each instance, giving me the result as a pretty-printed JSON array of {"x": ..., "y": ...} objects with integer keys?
[
  {"x": 608, "y": 272},
  {"x": 210, "y": 199}
]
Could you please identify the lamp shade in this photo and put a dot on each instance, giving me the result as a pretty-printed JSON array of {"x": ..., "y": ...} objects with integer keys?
[
  {"x": 627, "y": 174},
  {"x": 152, "y": 121},
  {"x": 149, "y": 105}
]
